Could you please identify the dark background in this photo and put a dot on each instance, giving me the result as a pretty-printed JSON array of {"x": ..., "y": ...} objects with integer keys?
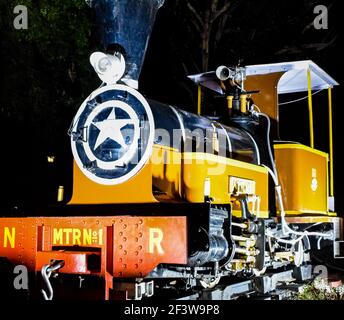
[{"x": 45, "y": 75}]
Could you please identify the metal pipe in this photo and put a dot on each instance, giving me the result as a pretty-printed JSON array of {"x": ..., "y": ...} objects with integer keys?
[
  {"x": 247, "y": 252},
  {"x": 240, "y": 225},
  {"x": 241, "y": 238}
]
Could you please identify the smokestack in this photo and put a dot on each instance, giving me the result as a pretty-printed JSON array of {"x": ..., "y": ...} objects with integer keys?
[{"x": 126, "y": 26}]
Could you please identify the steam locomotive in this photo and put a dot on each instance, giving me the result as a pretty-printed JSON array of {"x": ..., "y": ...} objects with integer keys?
[{"x": 174, "y": 204}]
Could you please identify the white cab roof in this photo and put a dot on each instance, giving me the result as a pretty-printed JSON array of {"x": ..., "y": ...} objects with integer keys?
[{"x": 294, "y": 78}]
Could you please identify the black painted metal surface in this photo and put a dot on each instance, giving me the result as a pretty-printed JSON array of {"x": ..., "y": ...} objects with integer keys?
[{"x": 127, "y": 23}]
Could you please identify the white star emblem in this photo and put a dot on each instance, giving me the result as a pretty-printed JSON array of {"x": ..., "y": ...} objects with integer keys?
[{"x": 111, "y": 128}]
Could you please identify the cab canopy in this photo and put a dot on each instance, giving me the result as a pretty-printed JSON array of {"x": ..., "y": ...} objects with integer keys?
[{"x": 274, "y": 79}]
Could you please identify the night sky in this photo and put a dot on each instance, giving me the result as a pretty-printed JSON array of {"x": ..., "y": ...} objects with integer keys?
[{"x": 255, "y": 32}]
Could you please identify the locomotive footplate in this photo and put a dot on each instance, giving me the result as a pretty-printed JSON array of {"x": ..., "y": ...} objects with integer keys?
[{"x": 109, "y": 247}]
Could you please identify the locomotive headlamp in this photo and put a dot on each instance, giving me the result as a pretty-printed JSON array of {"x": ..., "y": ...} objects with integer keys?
[
  {"x": 237, "y": 74},
  {"x": 224, "y": 73},
  {"x": 110, "y": 68},
  {"x": 103, "y": 65}
]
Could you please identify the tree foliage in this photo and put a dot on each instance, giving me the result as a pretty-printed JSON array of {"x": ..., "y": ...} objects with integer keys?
[
  {"x": 249, "y": 30},
  {"x": 197, "y": 36},
  {"x": 47, "y": 63},
  {"x": 44, "y": 76}
]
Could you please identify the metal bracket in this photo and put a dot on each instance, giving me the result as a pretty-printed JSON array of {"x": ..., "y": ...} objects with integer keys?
[
  {"x": 136, "y": 291},
  {"x": 338, "y": 249}
]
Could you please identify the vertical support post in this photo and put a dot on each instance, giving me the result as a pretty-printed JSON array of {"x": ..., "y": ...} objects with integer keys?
[
  {"x": 330, "y": 138},
  {"x": 199, "y": 100},
  {"x": 310, "y": 108},
  {"x": 230, "y": 104},
  {"x": 60, "y": 194}
]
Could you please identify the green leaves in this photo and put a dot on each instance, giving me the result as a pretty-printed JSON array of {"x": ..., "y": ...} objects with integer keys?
[
  {"x": 59, "y": 29},
  {"x": 37, "y": 89},
  {"x": 320, "y": 289}
]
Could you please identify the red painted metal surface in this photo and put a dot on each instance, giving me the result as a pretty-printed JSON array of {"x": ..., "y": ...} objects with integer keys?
[
  {"x": 75, "y": 262},
  {"x": 112, "y": 247}
]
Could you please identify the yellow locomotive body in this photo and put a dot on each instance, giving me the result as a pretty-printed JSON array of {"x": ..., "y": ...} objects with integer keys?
[
  {"x": 303, "y": 174},
  {"x": 180, "y": 177}
]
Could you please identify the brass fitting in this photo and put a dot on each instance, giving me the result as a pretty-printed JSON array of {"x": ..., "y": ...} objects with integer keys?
[{"x": 243, "y": 103}]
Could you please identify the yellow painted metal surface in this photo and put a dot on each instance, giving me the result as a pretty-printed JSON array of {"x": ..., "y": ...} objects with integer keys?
[
  {"x": 267, "y": 98},
  {"x": 136, "y": 190},
  {"x": 180, "y": 177},
  {"x": 230, "y": 104},
  {"x": 310, "y": 109},
  {"x": 183, "y": 177},
  {"x": 303, "y": 176},
  {"x": 199, "y": 100},
  {"x": 243, "y": 103},
  {"x": 166, "y": 170},
  {"x": 330, "y": 126},
  {"x": 60, "y": 193},
  {"x": 199, "y": 167}
]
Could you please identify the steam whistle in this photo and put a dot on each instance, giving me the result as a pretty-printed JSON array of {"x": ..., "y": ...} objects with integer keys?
[{"x": 232, "y": 81}]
